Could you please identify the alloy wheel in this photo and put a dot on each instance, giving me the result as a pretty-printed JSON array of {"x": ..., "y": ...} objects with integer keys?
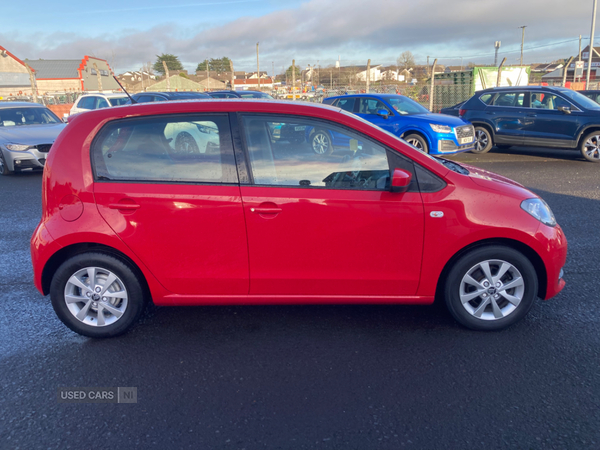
[
  {"x": 96, "y": 296},
  {"x": 492, "y": 289},
  {"x": 416, "y": 143},
  {"x": 481, "y": 140},
  {"x": 592, "y": 147},
  {"x": 320, "y": 143}
]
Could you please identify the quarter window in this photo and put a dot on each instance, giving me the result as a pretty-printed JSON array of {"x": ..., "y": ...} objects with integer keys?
[
  {"x": 310, "y": 153},
  {"x": 172, "y": 149}
]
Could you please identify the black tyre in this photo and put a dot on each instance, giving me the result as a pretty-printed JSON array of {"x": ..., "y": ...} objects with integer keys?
[
  {"x": 590, "y": 147},
  {"x": 320, "y": 142},
  {"x": 3, "y": 167},
  {"x": 185, "y": 144},
  {"x": 417, "y": 141},
  {"x": 483, "y": 140},
  {"x": 491, "y": 288},
  {"x": 97, "y": 295}
]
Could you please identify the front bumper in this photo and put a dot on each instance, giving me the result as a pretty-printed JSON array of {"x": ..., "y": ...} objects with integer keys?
[{"x": 31, "y": 159}]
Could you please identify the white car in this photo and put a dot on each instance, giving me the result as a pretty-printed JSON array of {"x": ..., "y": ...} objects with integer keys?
[
  {"x": 192, "y": 137},
  {"x": 88, "y": 102}
]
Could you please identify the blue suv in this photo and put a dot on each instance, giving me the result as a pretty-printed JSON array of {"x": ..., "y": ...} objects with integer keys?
[
  {"x": 431, "y": 133},
  {"x": 534, "y": 116}
]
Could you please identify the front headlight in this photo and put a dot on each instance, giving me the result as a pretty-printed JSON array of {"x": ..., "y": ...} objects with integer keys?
[
  {"x": 17, "y": 147},
  {"x": 539, "y": 209},
  {"x": 440, "y": 128}
]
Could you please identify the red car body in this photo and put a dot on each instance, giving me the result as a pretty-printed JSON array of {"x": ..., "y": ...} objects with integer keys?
[{"x": 199, "y": 244}]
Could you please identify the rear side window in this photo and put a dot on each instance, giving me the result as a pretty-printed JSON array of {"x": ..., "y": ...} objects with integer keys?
[
  {"x": 514, "y": 99},
  {"x": 86, "y": 102},
  {"x": 102, "y": 103},
  {"x": 347, "y": 104},
  {"x": 193, "y": 149}
]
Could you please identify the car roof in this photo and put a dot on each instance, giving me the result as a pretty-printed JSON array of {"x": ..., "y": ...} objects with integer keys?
[
  {"x": 532, "y": 88},
  {"x": 20, "y": 105},
  {"x": 107, "y": 95}
]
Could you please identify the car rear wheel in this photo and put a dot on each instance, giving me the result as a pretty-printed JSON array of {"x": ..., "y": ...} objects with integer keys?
[
  {"x": 97, "y": 295},
  {"x": 491, "y": 288},
  {"x": 418, "y": 142},
  {"x": 590, "y": 147},
  {"x": 483, "y": 140},
  {"x": 320, "y": 143},
  {"x": 3, "y": 167},
  {"x": 185, "y": 144}
]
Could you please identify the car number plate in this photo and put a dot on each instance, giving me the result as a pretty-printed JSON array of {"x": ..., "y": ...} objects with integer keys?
[
  {"x": 466, "y": 140},
  {"x": 300, "y": 128}
]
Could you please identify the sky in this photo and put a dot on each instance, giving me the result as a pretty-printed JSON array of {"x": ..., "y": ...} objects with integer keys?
[{"x": 131, "y": 33}]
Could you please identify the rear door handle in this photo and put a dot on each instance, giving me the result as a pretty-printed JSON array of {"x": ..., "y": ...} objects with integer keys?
[
  {"x": 125, "y": 206},
  {"x": 265, "y": 210}
]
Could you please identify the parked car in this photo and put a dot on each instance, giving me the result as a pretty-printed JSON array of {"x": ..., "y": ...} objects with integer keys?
[
  {"x": 27, "y": 131},
  {"x": 431, "y": 133},
  {"x": 591, "y": 94},
  {"x": 534, "y": 116},
  {"x": 90, "y": 102},
  {"x": 240, "y": 94},
  {"x": 146, "y": 97},
  {"x": 452, "y": 110},
  {"x": 127, "y": 218}
]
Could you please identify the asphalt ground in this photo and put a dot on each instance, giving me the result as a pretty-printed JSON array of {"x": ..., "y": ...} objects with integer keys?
[{"x": 314, "y": 377}]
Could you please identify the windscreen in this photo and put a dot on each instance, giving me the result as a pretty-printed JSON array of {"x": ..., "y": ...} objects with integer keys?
[
  {"x": 26, "y": 116},
  {"x": 406, "y": 106}
]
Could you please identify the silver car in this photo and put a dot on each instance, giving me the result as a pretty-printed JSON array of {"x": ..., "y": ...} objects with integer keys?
[{"x": 27, "y": 131}]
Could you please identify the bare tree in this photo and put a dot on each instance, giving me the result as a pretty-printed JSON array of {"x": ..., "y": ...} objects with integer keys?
[{"x": 405, "y": 61}]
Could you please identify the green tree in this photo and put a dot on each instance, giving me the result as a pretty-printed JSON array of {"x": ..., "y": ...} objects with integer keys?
[
  {"x": 172, "y": 61},
  {"x": 215, "y": 64}
]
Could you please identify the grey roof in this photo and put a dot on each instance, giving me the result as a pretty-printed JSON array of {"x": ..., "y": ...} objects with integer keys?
[
  {"x": 55, "y": 68},
  {"x": 20, "y": 105}
]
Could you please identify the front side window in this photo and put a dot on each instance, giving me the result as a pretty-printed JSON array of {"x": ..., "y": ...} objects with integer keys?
[
  {"x": 118, "y": 101},
  {"x": 512, "y": 99},
  {"x": 308, "y": 153},
  {"x": 544, "y": 100},
  {"x": 166, "y": 149},
  {"x": 371, "y": 106}
]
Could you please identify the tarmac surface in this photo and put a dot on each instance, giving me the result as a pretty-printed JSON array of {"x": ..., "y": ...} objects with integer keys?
[{"x": 314, "y": 377}]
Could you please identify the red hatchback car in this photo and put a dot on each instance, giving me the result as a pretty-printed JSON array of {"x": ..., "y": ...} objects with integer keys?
[{"x": 210, "y": 202}]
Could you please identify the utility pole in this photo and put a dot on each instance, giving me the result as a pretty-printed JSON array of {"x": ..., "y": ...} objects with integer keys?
[
  {"x": 99, "y": 78},
  {"x": 257, "y": 66},
  {"x": 499, "y": 79},
  {"x": 578, "y": 59},
  {"x": 427, "y": 65},
  {"x": 565, "y": 68},
  {"x": 207, "y": 76},
  {"x": 232, "y": 75},
  {"x": 522, "y": 42},
  {"x": 167, "y": 76},
  {"x": 293, "y": 79},
  {"x": 368, "y": 77},
  {"x": 591, "y": 52},
  {"x": 33, "y": 84},
  {"x": 497, "y": 47},
  {"x": 142, "y": 73},
  {"x": 432, "y": 85}
]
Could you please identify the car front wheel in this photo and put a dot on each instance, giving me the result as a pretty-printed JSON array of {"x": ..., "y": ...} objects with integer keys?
[
  {"x": 491, "y": 288},
  {"x": 97, "y": 295},
  {"x": 590, "y": 147},
  {"x": 3, "y": 167},
  {"x": 483, "y": 140},
  {"x": 418, "y": 142},
  {"x": 321, "y": 143}
]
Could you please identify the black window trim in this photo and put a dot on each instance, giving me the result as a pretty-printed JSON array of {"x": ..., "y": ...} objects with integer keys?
[
  {"x": 247, "y": 166},
  {"x": 562, "y": 98},
  {"x": 101, "y": 179},
  {"x": 516, "y": 91},
  {"x": 388, "y": 107}
]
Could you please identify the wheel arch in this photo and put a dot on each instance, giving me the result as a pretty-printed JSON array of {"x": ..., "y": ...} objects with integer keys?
[
  {"x": 485, "y": 125},
  {"x": 421, "y": 133},
  {"x": 67, "y": 252},
  {"x": 528, "y": 252},
  {"x": 585, "y": 132}
]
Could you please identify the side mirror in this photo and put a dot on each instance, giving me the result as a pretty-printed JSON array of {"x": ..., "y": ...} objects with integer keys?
[
  {"x": 400, "y": 180},
  {"x": 565, "y": 109},
  {"x": 383, "y": 113}
]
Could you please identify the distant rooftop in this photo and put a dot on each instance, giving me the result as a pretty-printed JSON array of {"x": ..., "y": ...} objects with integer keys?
[{"x": 55, "y": 68}]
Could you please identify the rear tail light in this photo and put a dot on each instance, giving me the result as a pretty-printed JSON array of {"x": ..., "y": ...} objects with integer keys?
[{"x": 462, "y": 112}]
